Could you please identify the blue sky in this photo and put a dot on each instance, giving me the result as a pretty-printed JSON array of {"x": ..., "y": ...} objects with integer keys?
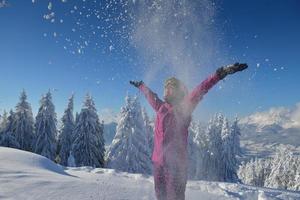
[{"x": 37, "y": 54}]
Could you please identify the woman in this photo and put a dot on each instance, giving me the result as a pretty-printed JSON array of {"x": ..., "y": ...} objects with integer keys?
[{"x": 173, "y": 117}]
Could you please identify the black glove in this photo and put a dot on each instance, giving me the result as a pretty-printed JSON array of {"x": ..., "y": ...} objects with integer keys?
[
  {"x": 231, "y": 69},
  {"x": 136, "y": 83}
]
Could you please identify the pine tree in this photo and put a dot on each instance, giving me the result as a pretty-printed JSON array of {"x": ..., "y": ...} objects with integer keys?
[
  {"x": 297, "y": 177},
  {"x": 215, "y": 149},
  {"x": 236, "y": 133},
  {"x": 45, "y": 128},
  {"x": 9, "y": 127},
  {"x": 228, "y": 155},
  {"x": 193, "y": 152},
  {"x": 218, "y": 121},
  {"x": 88, "y": 147},
  {"x": 24, "y": 123},
  {"x": 149, "y": 130},
  {"x": 7, "y": 139},
  {"x": 212, "y": 152},
  {"x": 129, "y": 149},
  {"x": 4, "y": 120},
  {"x": 202, "y": 153},
  {"x": 252, "y": 172},
  {"x": 283, "y": 171},
  {"x": 65, "y": 138}
]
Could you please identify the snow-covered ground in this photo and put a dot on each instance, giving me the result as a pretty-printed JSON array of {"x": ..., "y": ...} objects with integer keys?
[{"x": 25, "y": 175}]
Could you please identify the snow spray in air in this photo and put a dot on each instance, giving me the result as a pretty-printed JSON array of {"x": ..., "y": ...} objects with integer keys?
[{"x": 174, "y": 37}]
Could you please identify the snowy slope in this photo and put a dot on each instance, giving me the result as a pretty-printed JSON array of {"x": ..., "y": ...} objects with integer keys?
[
  {"x": 25, "y": 175},
  {"x": 265, "y": 141}
]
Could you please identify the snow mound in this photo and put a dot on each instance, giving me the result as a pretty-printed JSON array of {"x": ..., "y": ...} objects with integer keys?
[
  {"x": 24, "y": 175},
  {"x": 14, "y": 158}
]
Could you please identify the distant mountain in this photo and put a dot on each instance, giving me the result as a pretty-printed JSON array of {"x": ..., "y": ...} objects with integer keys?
[
  {"x": 270, "y": 134},
  {"x": 281, "y": 116},
  {"x": 264, "y": 132}
]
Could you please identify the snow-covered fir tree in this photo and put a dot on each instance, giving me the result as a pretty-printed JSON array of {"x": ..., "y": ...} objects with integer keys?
[
  {"x": 203, "y": 154},
  {"x": 212, "y": 151},
  {"x": 255, "y": 172},
  {"x": 3, "y": 121},
  {"x": 45, "y": 128},
  {"x": 148, "y": 129},
  {"x": 24, "y": 123},
  {"x": 65, "y": 139},
  {"x": 129, "y": 150},
  {"x": 281, "y": 171},
  {"x": 10, "y": 122},
  {"x": 214, "y": 161},
  {"x": 88, "y": 146},
  {"x": 197, "y": 152},
  {"x": 7, "y": 138},
  {"x": 297, "y": 178},
  {"x": 218, "y": 121},
  {"x": 193, "y": 152},
  {"x": 236, "y": 134},
  {"x": 229, "y": 159}
]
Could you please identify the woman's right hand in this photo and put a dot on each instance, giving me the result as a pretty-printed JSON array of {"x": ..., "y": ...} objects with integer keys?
[{"x": 136, "y": 83}]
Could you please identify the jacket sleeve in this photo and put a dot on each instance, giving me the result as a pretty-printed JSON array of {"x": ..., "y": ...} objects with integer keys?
[
  {"x": 197, "y": 93},
  {"x": 152, "y": 97}
]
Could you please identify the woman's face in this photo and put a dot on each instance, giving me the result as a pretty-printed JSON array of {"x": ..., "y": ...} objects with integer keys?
[{"x": 168, "y": 93}]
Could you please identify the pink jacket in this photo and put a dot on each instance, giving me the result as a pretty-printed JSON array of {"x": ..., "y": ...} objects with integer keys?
[{"x": 171, "y": 124}]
